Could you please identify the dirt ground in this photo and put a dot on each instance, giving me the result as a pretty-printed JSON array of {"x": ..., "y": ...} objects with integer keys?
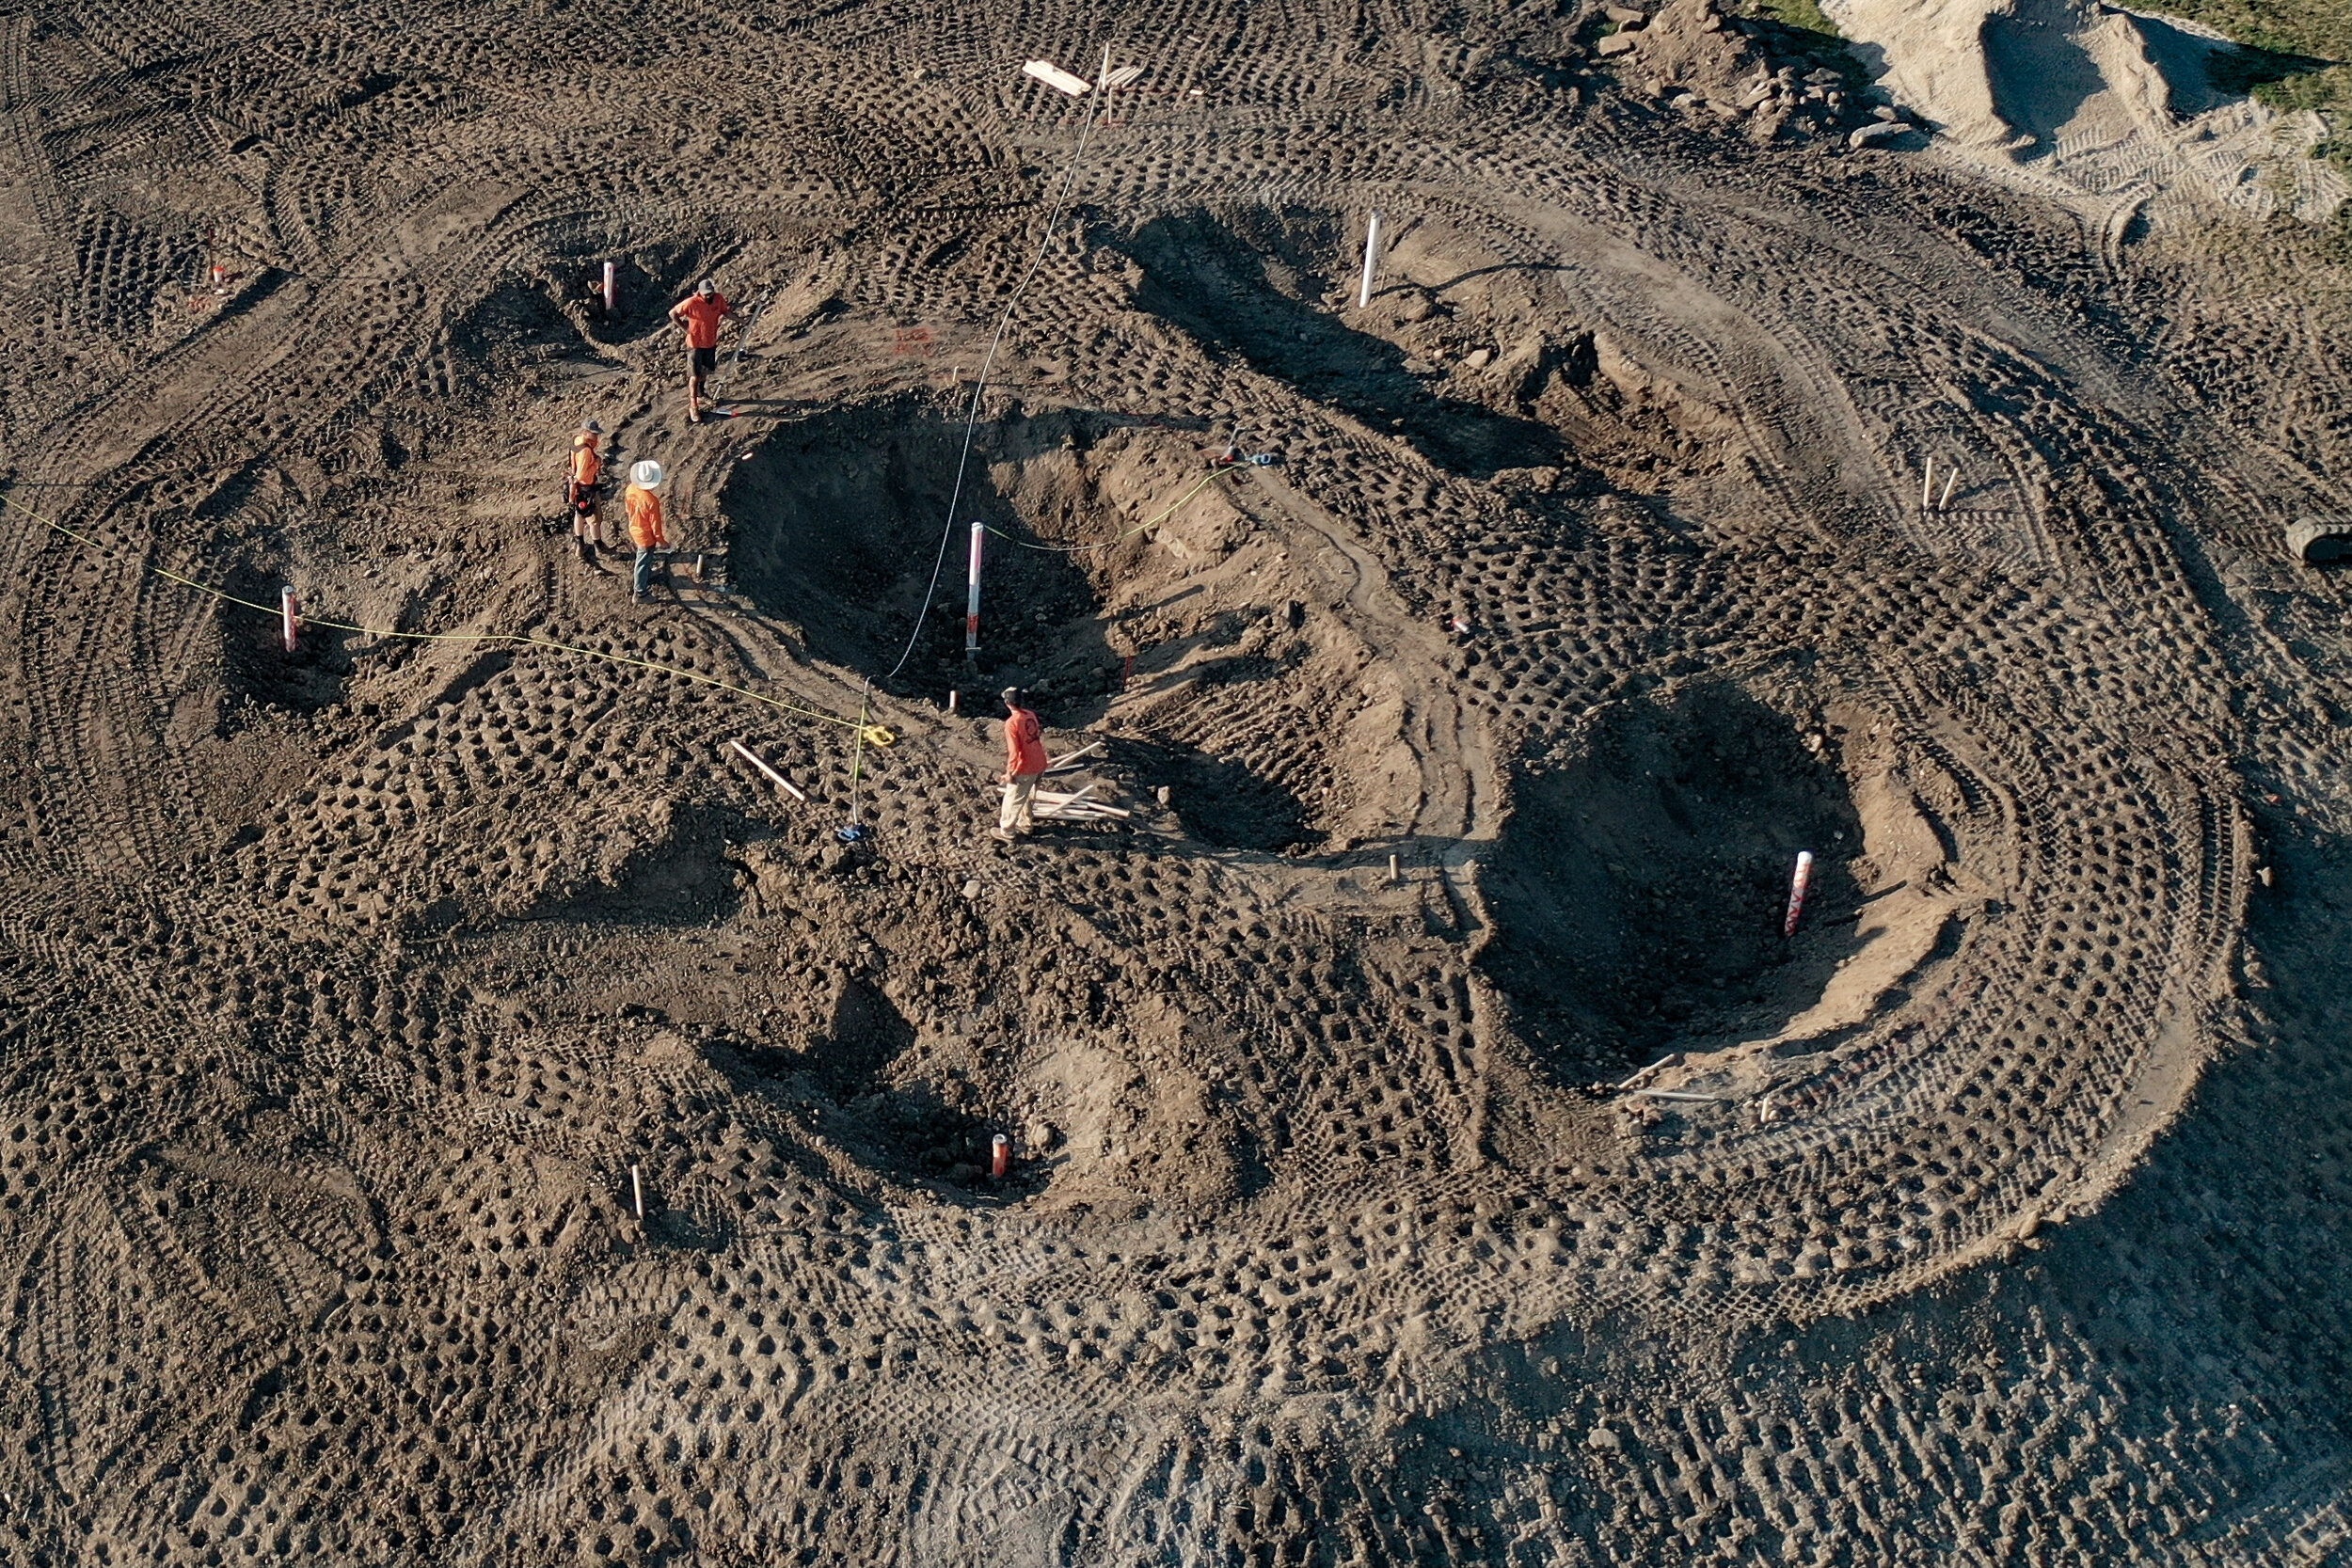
[{"x": 1542, "y": 1204}]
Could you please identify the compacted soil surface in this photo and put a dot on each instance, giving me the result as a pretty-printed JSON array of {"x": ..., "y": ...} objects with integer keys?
[{"x": 455, "y": 1108}]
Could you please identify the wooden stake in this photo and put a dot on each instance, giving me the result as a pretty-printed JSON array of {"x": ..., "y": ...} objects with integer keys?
[
  {"x": 1372, "y": 257},
  {"x": 773, "y": 777},
  {"x": 290, "y": 618},
  {"x": 1927, "y": 486},
  {"x": 637, "y": 1194},
  {"x": 999, "y": 1156},
  {"x": 612, "y": 288},
  {"x": 1395, "y": 874},
  {"x": 1071, "y": 763},
  {"x": 1950, "y": 480}
]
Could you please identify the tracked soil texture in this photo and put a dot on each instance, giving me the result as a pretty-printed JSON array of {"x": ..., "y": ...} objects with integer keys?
[{"x": 455, "y": 1108}]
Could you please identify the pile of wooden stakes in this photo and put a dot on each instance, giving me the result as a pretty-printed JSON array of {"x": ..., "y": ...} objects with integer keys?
[
  {"x": 1077, "y": 805},
  {"x": 1048, "y": 805}
]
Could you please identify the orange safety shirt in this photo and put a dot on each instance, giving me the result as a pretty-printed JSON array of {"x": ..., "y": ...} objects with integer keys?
[
  {"x": 644, "y": 517},
  {"x": 701, "y": 313},
  {"x": 586, "y": 465},
  {"x": 1025, "y": 743}
]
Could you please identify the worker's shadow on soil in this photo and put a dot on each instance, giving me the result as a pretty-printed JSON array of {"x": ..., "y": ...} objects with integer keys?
[{"x": 1202, "y": 276}]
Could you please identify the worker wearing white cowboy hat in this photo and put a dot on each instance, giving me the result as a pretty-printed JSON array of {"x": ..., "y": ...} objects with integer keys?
[{"x": 644, "y": 521}]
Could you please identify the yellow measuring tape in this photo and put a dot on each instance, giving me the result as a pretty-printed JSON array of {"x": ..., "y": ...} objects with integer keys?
[{"x": 874, "y": 735}]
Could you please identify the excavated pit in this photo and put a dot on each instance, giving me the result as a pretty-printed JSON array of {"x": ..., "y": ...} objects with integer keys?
[
  {"x": 1639, "y": 890},
  {"x": 836, "y": 522}
]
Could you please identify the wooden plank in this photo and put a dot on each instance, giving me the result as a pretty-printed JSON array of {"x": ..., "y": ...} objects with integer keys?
[{"x": 1056, "y": 77}]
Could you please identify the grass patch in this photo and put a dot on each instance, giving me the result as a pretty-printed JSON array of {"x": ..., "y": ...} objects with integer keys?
[
  {"x": 1807, "y": 30},
  {"x": 1805, "y": 16},
  {"x": 2293, "y": 54}
]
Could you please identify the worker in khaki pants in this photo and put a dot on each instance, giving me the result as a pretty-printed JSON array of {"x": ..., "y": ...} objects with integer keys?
[{"x": 1025, "y": 764}]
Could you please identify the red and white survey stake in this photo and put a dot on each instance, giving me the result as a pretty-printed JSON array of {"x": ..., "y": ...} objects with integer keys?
[
  {"x": 1797, "y": 885},
  {"x": 290, "y": 617},
  {"x": 971, "y": 598},
  {"x": 999, "y": 1156}
]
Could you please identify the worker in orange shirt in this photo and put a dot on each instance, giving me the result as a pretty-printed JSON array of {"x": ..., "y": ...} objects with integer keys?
[
  {"x": 644, "y": 521},
  {"x": 700, "y": 313},
  {"x": 586, "y": 487},
  {"x": 1025, "y": 764}
]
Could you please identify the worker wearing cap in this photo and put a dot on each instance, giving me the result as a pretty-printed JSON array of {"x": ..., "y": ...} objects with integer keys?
[
  {"x": 700, "y": 313},
  {"x": 586, "y": 487},
  {"x": 1025, "y": 764},
  {"x": 644, "y": 521}
]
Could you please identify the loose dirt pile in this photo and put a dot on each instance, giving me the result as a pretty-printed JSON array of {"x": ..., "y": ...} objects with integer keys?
[{"x": 456, "y": 1109}]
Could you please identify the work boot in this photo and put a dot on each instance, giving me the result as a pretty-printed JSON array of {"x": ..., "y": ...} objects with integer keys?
[{"x": 587, "y": 551}]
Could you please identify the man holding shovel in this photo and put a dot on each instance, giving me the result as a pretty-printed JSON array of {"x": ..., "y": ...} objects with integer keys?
[{"x": 1025, "y": 764}]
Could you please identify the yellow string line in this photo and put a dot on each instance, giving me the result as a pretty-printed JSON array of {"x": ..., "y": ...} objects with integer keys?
[
  {"x": 1212, "y": 476},
  {"x": 524, "y": 638}
]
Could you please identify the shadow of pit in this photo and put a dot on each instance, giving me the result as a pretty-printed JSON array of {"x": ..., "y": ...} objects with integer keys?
[
  {"x": 1219, "y": 800},
  {"x": 1254, "y": 283},
  {"x": 1639, "y": 891},
  {"x": 878, "y": 1108},
  {"x": 840, "y": 523},
  {"x": 258, "y": 673}
]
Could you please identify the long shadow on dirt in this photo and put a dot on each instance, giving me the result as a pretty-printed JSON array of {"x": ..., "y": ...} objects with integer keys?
[
  {"x": 687, "y": 878},
  {"x": 1217, "y": 799},
  {"x": 881, "y": 1117},
  {"x": 1255, "y": 296},
  {"x": 258, "y": 671}
]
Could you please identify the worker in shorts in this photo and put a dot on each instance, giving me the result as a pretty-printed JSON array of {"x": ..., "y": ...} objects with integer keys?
[
  {"x": 1025, "y": 764},
  {"x": 645, "y": 522},
  {"x": 700, "y": 313},
  {"x": 585, "y": 488}
]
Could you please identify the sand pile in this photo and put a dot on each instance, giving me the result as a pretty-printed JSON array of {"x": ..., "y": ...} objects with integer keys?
[{"x": 2109, "y": 98}]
